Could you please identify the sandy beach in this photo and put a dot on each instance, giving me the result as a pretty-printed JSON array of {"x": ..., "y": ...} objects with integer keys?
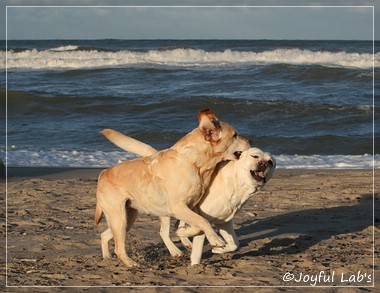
[{"x": 306, "y": 228}]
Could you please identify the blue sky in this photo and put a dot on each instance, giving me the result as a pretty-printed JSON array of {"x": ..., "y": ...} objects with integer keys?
[{"x": 317, "y": 22}]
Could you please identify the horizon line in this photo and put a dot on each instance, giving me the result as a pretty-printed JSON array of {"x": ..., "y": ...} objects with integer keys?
[{"x": 188, "y": 39}]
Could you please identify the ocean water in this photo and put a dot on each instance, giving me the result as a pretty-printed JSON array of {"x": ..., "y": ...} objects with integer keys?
[{"x": 308, "y": 103}]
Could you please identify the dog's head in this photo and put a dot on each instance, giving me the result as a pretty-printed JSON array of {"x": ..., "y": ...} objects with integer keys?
[
  {"x": 222, "y": 137},
  {"x": 259, "y": 166}
]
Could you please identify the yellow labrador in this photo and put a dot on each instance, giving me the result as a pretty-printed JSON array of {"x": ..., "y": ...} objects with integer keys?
[
  {"x": 233, "y": 183},
  {"x": 169, "y": 183}
]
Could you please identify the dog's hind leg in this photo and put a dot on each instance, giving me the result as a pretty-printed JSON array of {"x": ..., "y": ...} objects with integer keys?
[
  {"x": 118, "y": 224},
  {"x": 165, "y": 235},
  {"x": 131, "y": 217},
  {"x": 106, "y": 236}
]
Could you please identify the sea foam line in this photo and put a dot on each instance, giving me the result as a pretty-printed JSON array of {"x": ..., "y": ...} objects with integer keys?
[
  {"x": 67, "y": 57},
  {"x": 100, "y": 159}
]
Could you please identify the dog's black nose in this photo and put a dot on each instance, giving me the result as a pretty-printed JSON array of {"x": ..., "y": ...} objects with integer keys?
[
  {"x": 263, "y": 164},
  {"x": 237, "y": 154}
]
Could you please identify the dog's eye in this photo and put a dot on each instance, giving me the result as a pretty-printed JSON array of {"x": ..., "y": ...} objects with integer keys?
[
  {"x": 255, "y": 156},
  {"x": 235, "y": 135}
]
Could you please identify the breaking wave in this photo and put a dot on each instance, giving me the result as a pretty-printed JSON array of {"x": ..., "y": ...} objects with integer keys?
[{"x": 76, "y": 57}]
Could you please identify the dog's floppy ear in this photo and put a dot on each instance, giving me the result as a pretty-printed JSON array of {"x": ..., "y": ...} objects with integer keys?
[{"x": 209, "y": 125}]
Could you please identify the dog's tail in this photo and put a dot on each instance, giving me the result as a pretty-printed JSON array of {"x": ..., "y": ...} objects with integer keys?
[
  {"x": 98, "y": 209},
  {"x": 128, "y": 143},
  {"x": 98, "y": 214}
]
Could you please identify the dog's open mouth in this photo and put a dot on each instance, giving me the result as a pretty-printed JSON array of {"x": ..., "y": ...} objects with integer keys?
[{"x": 259, "y": 175}]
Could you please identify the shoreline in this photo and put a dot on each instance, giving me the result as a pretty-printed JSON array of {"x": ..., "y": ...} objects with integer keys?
[
  {"x": 52, "y": 172},
  {"x": 16, "y": 173}
]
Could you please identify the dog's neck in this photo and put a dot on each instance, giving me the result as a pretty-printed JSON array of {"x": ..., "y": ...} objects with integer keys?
[
  {"x": 200, "y": 154},
  {"x": 196, "y": 150}
]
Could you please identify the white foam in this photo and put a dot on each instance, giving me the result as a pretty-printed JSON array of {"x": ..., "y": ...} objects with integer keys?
[
  {"x": 55, "y": 158},
  {"x": 99, "y": 159},
  {"x": 65, "y": 48},
  {"x": 365, "y": 161},
  {"x": 67, "y": 57}
]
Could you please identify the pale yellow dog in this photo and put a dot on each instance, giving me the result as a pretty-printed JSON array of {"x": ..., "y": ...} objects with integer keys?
[
  {"x": 169, "y": 183},
  {"x": 232, "y": 184}
]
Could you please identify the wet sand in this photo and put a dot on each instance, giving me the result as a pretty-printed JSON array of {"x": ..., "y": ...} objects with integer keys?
[{"x": 315, "y": 226}]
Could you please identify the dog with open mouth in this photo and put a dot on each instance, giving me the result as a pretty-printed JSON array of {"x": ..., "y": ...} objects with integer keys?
[
  {"x": 150, "y": 184},
  {"x": 232, "y": 184}
]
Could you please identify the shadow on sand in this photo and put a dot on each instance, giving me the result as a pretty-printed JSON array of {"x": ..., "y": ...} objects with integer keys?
[{"x": 311, "y": 225}]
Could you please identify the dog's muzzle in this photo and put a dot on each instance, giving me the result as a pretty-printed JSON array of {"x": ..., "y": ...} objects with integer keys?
[{"x": 260, "y": 172}]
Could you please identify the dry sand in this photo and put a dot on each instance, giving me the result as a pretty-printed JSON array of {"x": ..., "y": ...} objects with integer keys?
[{"x": 309, "y": 224}]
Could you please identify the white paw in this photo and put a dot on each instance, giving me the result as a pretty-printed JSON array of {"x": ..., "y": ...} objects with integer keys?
[
  {"x": 225, "y": 249},
  {"x": 217, "y": 242}
]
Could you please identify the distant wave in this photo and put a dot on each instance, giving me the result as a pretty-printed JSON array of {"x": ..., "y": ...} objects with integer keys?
[
  {"x": 65, "y": 48},
  {"x": 74, "y": 57}
]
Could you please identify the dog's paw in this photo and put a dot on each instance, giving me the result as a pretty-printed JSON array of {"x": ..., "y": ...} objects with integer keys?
[
  {"x": 175, "y": 252},
  {"x": 130, "y": 263},
  {"x": 220, "y": 250},
  {"x": 216, "y": 242},
  {"x": 133, "y": 264},
  {"x": 186, "y": 243}
]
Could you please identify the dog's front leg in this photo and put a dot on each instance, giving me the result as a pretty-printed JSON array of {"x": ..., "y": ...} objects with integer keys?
[
  {"x": 184, "y": 231},
  {"x": 196, "y": 252},
  {"x": 165, "y": 235},
  {"x": 188, "y": 231},
  {"x": 228, "y": 233},
  {"x": 182, "y": 212}
]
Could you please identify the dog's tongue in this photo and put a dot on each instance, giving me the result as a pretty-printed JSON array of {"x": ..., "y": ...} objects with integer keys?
[{"x": 261, "y": 174}]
